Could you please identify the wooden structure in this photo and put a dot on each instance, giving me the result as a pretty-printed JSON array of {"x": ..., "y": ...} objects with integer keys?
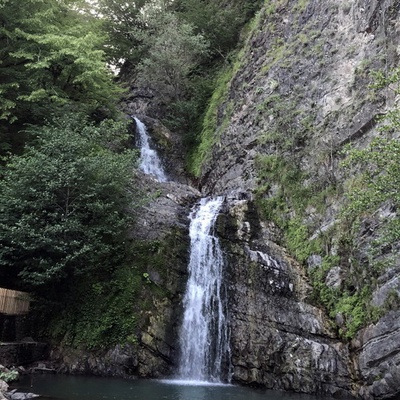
[{"x": 13, "y": 302}]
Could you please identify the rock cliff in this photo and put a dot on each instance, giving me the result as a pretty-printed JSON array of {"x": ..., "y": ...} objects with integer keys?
[
  {"x": 299, "y": 91},
  {"x": 301, "y": 87}
]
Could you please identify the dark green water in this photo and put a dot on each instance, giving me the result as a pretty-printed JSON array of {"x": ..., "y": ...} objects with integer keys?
[{"x": 60, "y": 387}]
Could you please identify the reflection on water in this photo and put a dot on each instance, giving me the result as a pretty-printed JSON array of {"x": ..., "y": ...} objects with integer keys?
[{"x": 61, "y": 387}]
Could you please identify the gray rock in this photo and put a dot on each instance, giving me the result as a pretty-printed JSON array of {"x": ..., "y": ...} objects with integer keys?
[
  {"x": 380, "y": 356},
  {"x": 315, "y": 260},
  {"x": 3, "y": 386},
  {"x": 381, "y": 293},
  {"x": 14, "y": 395},
  {"x": 334, "y": 278}
]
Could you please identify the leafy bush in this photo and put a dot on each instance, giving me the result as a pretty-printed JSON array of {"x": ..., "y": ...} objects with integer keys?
[{"x": 9, "y": 375}]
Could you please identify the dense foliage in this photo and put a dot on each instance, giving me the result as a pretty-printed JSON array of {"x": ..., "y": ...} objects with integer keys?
[
  {"x": 64, "y": 203},
  {"x": 66, "y": 194},
  {"x": 52, "y": 60}
]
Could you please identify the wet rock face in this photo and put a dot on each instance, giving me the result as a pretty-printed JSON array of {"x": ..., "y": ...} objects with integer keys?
[
  {"x": 380, "y": 357},
  {"x": 278, "y": 339},
  {"x": 301, "y": 91}
]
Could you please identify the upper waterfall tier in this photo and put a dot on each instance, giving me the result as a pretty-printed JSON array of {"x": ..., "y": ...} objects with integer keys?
[{"x": 149, "y": 161}]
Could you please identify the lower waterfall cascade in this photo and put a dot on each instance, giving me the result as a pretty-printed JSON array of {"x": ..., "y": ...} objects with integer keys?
[{"x": 204, "y": 336}]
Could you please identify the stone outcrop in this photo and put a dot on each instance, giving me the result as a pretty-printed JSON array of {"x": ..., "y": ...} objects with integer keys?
[
  {"x": 119, "y": 361},
  {"x": 3, "y": 389},
  {"x": 166, "y": 206}
]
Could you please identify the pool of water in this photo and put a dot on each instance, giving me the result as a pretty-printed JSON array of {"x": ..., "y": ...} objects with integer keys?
[{"x": 62, "y": 387}]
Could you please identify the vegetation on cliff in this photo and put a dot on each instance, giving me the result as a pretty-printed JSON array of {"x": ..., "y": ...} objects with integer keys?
[{"x": 342, "y": 212}]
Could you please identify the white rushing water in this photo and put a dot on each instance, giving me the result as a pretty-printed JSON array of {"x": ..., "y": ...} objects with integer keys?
[
  {"x": 149, "y": 161},
  {"x": 204, "y": 333}
]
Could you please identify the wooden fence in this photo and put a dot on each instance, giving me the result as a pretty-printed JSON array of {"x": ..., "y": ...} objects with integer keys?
[{"x": 13, "y": 302}]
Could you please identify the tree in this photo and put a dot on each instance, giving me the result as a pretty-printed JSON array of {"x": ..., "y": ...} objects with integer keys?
[
  {"x": 120, "y": 20},
  {"x": 174, "y": 52},
  {"x": 51, "y": 56},
  {"x": 64, "y": 203},
  {"x": 217, "y": 21}
]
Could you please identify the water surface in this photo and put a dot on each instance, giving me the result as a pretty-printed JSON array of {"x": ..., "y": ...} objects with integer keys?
[{"x": 62, "y": 387}]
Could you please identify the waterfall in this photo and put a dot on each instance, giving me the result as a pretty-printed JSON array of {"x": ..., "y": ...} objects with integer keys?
[
  {"x": 149, "y": 161},
  {"x": 204, "y": 333}
]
